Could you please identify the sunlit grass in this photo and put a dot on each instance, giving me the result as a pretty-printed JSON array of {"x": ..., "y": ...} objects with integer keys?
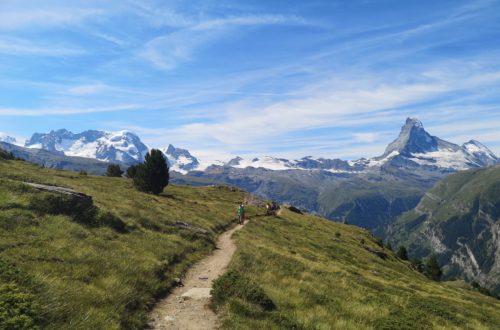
[
  {"x": 93, "y": 277},
  {"x": 321, "y": 281}
]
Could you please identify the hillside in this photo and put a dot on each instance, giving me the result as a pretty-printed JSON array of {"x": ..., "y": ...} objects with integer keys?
[
  {"x": 97, "y": 269},
  {"x": 459, "y": 219},
  {"x": 104, "y": 265},
  {"x": 302, "y": 272}
]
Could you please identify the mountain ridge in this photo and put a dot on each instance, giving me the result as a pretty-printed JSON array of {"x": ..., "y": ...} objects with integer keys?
[{"x": 414, "y": 147}]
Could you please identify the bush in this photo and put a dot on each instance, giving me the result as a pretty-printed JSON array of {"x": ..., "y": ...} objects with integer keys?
[
  {"x": 234, "y": 285},
  {"x": 114, "y": 171},
  {"x": 131, "y": 171},
  {"x": 152, "y": 176},
  {"x": 402, "y": 253},
  {"x": 337, "y": 234},
  {"x": 388, "y": 246},
  {"x": 418, "y": 265},
  {"x": 83, "y": 173},
  {"x": 432, "y": 269},
  {"x": 18, "y": 310}
]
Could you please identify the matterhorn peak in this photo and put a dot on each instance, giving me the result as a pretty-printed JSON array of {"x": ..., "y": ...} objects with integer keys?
[
  {"x": 414, "y": 122},
  {"x": 413, "y": 138}
]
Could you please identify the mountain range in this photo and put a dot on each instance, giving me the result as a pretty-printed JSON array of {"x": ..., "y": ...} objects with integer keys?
[
  {"x": 341, "y": 190},
  {"x": 414, "y": 148}
]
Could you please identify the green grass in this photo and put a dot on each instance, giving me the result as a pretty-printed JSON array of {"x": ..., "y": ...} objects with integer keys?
[
  {"x": 61, "y": 272},
  {"x": 324, "y": 275}
]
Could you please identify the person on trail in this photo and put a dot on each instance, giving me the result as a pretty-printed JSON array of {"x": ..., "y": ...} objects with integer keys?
[
  {"x": 241, "y": 214},
  {"x": 268, "y": 209}
]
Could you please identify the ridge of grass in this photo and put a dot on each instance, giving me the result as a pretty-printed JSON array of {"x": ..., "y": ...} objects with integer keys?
[
  {"x": 325, "y": 275},
  {"x": 66, "y": 272}
]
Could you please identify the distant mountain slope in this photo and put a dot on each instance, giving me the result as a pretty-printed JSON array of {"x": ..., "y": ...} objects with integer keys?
[
  {"x": 180, "y": 160},
  {"x": 8, "y": 139},
  {"x": 368, "y": 192},
  {"x": 459, "y": 219},
  {"x": 58, "y": 160},
  {"x": 123, "y": 146}
]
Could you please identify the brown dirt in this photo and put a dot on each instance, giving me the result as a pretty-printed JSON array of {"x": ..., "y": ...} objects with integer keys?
[{"x": 186, "y": 308}]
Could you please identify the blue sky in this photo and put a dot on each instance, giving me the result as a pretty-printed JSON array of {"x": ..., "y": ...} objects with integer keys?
[{"x": 282, "y": 77}]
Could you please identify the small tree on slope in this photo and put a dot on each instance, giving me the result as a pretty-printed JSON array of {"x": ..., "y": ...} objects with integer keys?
[
  {"x": 152, "y": 176},
  {"x": 432, "y": 269},
  {"x": 402, "y": 253},
  {"x": 114, "y": 171}
]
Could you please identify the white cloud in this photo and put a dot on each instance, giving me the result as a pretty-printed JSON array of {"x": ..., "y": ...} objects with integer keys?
[
  {"x": 34, "y": 18},
  {"x": 16, "y": 46},
  {"x": 22, "y": 112},
  {"x": 89, "y": 89},
  {"x": 167, "y": 51},
  {"x": 365, "y": 137}
]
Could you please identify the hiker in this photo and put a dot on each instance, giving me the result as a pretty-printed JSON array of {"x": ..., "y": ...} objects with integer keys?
[
  {"x": 241, "y": 214},
  {"x": 268, "y": 208}
]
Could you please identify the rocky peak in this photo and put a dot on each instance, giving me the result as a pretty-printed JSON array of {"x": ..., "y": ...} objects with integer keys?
[{"x": 413, "y": 138}]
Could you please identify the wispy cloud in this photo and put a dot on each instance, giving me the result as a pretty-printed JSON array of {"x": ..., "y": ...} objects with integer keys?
[
  {"x": 37, "y": 112},
  {"x": 49, "y": 17},
  {"x": 16, "y": 46},
  {"x": 89, "y": 89},
  {"x": 167, "y": 51}
]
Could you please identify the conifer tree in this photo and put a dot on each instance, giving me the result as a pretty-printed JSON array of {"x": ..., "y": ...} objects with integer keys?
[
  {"x": 152, "y": 176},
  {"x": 432, "y": 269},
  {"x": 402, "y": 253},
  {"x": 114, "y": 171}
]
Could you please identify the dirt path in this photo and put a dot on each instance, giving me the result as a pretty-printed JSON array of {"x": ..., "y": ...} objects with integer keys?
[{"x": 186, "y": 307}]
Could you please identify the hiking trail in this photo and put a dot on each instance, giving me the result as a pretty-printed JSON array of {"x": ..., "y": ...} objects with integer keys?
[{"x": 186, "y": 307}]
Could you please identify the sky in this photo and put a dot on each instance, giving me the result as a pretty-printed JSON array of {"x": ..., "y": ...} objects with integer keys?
[{"x": 221, "y": 78}]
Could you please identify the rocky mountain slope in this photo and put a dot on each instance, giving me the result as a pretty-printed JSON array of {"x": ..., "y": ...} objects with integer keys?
[
  {"x": 121, "y": 146},
  {"x": 8, "y": 139},
  {"x": 459, "y": 219}
]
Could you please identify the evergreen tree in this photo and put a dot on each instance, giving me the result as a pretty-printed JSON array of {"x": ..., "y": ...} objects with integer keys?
[
  {"x": 114, "y": 171},
  {"x": 131, "y": 171},
  {"x": 432, "y": 269},
  {"x": 152, "y": 176},
  {"x": 388, "y": 246},
  {"x": 402, "y": 253},
  {"x": 418, "y": 265}
]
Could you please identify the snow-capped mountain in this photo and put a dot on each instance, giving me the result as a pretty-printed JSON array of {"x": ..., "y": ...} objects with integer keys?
[
  {"x": 180, "y": 160},
  {"x": 481, "y": 153},
  {"x": 120, "y": 146},
  {"x": 8, "y": 139},
  {"x": 415, "y": 147}
]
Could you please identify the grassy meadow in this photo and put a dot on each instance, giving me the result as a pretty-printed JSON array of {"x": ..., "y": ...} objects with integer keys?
[
  {"x": 303, "y": 272},
  {"x": 58, "y": 271}
]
